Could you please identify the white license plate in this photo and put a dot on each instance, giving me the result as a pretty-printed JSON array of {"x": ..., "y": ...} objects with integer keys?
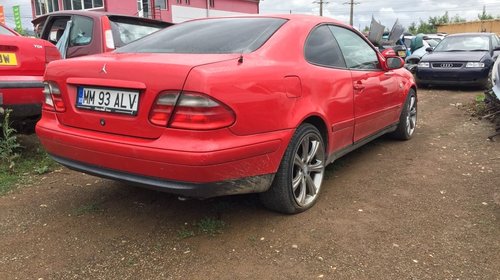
[{"x": 108, "y": 100}]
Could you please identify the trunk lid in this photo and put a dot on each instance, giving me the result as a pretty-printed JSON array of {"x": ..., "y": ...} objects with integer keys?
[
  {"x": 21, "y": 56},
  {"x": 146, "y": 74}
]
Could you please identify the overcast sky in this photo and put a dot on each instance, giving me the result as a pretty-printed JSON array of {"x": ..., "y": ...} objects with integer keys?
[{"x": 386, "y": 11}]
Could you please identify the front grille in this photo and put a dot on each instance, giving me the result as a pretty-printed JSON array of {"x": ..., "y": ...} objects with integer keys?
[{"x": 447, "y": 65}]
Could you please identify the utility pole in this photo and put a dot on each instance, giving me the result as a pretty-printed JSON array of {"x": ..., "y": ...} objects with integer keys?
[
  {"x": 321, "y": 3},
  {"x": 352, "y": 3}
]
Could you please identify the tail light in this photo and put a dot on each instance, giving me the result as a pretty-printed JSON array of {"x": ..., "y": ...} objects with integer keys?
[
  {"x": 109, "y": 42},
  {"x": 190, "y": 110},
  {"x": 53, "y": 98},
  {"x": 163, "y": 107},
  {"x": 51, "y": 54}
]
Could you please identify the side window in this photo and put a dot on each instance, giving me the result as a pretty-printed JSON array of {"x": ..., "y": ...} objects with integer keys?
[
  {"x": 321, "y": 48},
  {"x": 496, "y": 41},
  {"x": 357, "y": 52},
  {"x": 81, "y": 31},
  {"x": 55, "y": 29}
]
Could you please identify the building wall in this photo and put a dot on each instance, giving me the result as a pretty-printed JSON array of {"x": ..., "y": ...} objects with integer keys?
[
  {"x": 126, "y": 7},
  {"x": 474, "y": 26},
  {"x": 178, "y": 12}
]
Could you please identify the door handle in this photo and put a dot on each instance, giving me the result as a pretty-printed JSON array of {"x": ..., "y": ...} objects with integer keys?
[{"x": 389, "y": 73}]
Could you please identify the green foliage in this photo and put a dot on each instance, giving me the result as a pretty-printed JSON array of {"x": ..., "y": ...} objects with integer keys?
[
  {"x": 185, "y": 233},
  {"x": 86, "y": 209},
  {"x": 8, "y": 145},
  {"x": 430, "y": 26},
  {"x": 210, "y": 226},
  {"x": 18, "y": 163},
  {"x": 484, "y": 15}
]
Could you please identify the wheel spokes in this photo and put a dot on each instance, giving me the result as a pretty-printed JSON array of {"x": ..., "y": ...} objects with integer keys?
[{"x": 308, "y": 169}]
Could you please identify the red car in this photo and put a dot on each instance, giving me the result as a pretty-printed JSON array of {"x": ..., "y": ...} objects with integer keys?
[
  {"x": 227, "y": 106},
  {"x": 22, "y": 64},
  {"x": 91, "y": 32}
]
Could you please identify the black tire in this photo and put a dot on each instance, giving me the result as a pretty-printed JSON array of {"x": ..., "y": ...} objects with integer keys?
[
  {"x": 282, "y": 197},
  {"x": 408, "y": 118}
]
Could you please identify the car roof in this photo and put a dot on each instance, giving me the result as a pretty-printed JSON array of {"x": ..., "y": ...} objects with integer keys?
[{"x": 310, "y": 19}]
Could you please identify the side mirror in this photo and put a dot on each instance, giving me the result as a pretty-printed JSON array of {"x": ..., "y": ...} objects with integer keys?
[
  {"x": 394, "y": 63},
  {"x": 429, "y": 49}
]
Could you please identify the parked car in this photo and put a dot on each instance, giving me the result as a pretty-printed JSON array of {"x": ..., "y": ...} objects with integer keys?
[
  {"x": 22, "y": 64},
  {"x": 200, "y": 111},
  {"x": 460, "y": 59},
  {"x": 90, "y": 32},
  {"x": 418, "y": 46}
]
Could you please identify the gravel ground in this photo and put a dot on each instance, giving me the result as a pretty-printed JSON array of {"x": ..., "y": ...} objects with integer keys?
[{"x": 428, "y": 208}]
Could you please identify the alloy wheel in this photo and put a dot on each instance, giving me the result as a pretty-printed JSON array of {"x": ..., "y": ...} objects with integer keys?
[
  {"x": 308, "y": 169},
  {"x": 411, "y": 117}
]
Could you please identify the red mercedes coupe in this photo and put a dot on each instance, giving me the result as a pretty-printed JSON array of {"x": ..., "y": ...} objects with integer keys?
[
  {"x": 222, "y": 106},
  {"x": 22, "y": 64}
]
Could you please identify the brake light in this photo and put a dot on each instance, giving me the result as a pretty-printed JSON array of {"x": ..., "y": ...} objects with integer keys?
[
  {"x": 163, "y": 107},
  {"x": 199, "y": 112},
  {"x": 53, "y": 98},
  {"x": 51, "y": 54},
  {"x": 109, "y": 42},
  {"x": 190, "y": 110}
]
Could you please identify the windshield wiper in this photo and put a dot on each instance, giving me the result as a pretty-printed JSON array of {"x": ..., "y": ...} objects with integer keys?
[
  {"x": 454, "y": 50},
  {"x": 478, "y": 50}
]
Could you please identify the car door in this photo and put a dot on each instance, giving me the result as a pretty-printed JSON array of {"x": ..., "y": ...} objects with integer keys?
[
  {"x": 331, "y": 82},
  {"x": 83, "y": 36},
  {"x": 375, "y": 90}
]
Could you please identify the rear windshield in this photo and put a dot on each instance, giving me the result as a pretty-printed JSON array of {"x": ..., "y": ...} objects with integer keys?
[
  {"x": 213, "y": 36},
  {"x": 5, "y": 31},
  {"x": 128, "y": 30}
]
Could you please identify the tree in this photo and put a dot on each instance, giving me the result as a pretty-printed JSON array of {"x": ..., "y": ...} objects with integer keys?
[
  {"x": 412, "y": 28},
  {"x": 457, "y": 19},
  {"x": 484, "y": 15}
]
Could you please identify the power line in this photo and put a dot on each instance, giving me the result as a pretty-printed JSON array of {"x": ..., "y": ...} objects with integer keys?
[
  {"x": 352, "y": 3},
  {"x": 321, "y": 3}
]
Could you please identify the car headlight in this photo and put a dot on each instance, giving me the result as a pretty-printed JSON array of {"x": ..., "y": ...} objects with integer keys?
[
  {"x": 424, "y": 64},
  {"x": 474, "y": 65}
]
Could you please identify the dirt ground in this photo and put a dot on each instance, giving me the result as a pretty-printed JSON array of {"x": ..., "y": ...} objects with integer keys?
[{"x": 428, "y": 208}]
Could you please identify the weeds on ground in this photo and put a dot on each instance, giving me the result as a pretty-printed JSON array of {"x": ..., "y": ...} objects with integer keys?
[
  {"x": 207, "y": 225},
  {"x": 9, "y": 145},
  {"x": 87, "y": 209},
  {"x": 18, "y": 164},
  {"x": 477, "y": 108},
  {"x": 210, "y": 226}
]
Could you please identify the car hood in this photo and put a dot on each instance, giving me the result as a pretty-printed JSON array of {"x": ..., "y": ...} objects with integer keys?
[{"x": 455, "y": 56}]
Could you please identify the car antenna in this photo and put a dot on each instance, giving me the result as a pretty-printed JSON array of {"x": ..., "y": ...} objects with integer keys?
[{"x": 240, "y": 60}]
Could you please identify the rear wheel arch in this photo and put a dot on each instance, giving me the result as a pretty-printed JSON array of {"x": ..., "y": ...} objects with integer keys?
[{"x": 320, "y": 124}]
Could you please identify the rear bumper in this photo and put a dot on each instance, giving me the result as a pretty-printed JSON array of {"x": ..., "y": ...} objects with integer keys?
[
  {"x": 253, "y": 184},
  {"x": 23, "y": 95},
  {"x": 200, "y": 170}
]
